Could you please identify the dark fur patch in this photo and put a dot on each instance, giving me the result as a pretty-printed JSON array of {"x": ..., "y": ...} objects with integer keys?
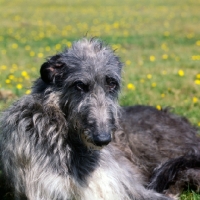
[{"x": 166, "y": 174}]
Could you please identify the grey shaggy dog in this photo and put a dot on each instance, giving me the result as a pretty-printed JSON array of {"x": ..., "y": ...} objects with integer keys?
[{"x": 70, "y": 140}]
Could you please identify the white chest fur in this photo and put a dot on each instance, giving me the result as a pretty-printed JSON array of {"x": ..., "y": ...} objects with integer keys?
[{"x": 112, "y": 180}]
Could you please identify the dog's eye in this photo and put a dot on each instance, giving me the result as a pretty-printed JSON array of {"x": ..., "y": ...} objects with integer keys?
[
  {"x": 79, "y": 85},
  {"x": 111, "y": 84}
]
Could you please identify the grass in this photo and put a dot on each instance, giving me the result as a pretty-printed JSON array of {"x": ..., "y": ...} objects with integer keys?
[{"x": 158, "y": 41}]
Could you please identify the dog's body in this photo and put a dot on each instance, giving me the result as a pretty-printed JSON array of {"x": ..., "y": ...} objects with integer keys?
[
  {"x": 56, "y": 142},
  {"x": 151, "y": 137},
  {"x": 39, "y": 169}
]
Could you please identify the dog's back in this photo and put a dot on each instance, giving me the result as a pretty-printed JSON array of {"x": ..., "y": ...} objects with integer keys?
[{"x": 156, "y": 136}]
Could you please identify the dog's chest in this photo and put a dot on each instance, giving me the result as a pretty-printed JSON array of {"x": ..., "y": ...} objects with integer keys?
[
  {"x": 102, "y": 186},
  {"x": 108, "y": 182}
]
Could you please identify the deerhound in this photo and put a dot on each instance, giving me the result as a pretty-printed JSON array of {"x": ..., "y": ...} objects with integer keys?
[{"x": 56, "y": 142}]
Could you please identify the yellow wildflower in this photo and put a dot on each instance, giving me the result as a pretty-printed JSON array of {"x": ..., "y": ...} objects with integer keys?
[
  {"x": 69, "y": 44},
  {"x": 196, "y": 57},
  {"x": 197, "y": 82},
  {"x": 32, "y": 53},
  {"x": 153, "y": 84},
  {"x": 190, "y": 35},
  {"x": 149, "y": 76},
  {"x": 198, "y": 76},
  {"x": 166, "y": 33},
  {"x": 164, "y": 47},
  {"x": 198, "y": 42},
  {"x": 28, "y": 91},
  {"x": 158, "y": 107},
  {"x": 47, "y": 48},
  {"x": 130, "y": 86},
  {"x": 7, "y": 81},
  {"x": 116, "y": 25},
  {"x": 11, "y": 77},
  {"x": 152, "y": 58},
  {"x": 3, "y": 67},
  {"x": 128, "y": 62},
  {"x": 19, "y": 86},
  {"x": 181, "y": 72},
  {"x": 164, "y": 56},
  {"x": 194, "y": 99},
  {"x": 162, "y": 95},
  {"x": 40, "y": 55},
  {"x": 24, "y": 73},
  {"x": 14, "y": 46},
  {"x": 58, "y": 46}
]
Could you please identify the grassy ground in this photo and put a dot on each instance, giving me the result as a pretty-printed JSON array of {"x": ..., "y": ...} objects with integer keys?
[{"x": 158, "y": 41}]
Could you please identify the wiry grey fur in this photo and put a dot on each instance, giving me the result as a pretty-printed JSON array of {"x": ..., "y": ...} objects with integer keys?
[
  {"x": 54, "y": 142},
  {"x": 158, "y": 139}
]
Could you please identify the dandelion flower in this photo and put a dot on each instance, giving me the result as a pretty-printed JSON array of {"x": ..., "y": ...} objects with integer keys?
[
  {"x": 28, "y": 91},
  {"x": 128, "y": 62},
  {"x": 164, "y": 47},
  {"x": 7, "y": 81},
  {"x": 153, "y": 84},
  {"x": 152, "y": 58},
  {"x": 166, "y": 33},
  {"x": 69, "y": 44},
  {"x": 116, "y": 25},
  {"x": 198, "y": 76},
  {"x": 11, "y": 76},
  {"x": 198, "y": 42},
  {"x": 164, "y": 56},
  {"x": 58, "y": 46},
  {"x": 158, "y": 107},
  {"x": 196, "y": 57},
  {"x": 19, "y": 86},
  {"x": 40, "y": 55},
  {"x": 162, "y": 95},
  {"x": 14, "y": 46},
  {"x": 32, "y": 53},
  {"x": 190, "y": 35},
  {"x": 130, "y": 86},
  {"x": 197, "y": 82},
  {"x": 194, "y": 99},
  {"x": 24, "y": 73},
  {"x": 149, "y": 76},
  {"x": 3, "y": 67},
  {"x": 181, "y": 72},
  {"x": 47, "y": 48}
]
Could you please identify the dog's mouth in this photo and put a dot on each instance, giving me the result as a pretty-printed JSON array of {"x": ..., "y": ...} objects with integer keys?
[{"x": 95, "y": 142}]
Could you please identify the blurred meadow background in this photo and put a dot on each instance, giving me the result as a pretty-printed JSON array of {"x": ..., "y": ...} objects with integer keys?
[{"x": 158, "y": 42}]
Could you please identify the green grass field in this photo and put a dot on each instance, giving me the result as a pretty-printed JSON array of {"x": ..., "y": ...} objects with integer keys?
[{"x": 158, "y": 42}]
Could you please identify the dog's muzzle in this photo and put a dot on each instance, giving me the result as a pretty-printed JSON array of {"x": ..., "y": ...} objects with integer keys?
[
  {"x": 102, "y": 139},
  {"x": 96, "y": 142}
]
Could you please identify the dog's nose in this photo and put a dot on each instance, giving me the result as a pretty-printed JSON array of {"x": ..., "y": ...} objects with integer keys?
[{"x": 102, "y": 139}]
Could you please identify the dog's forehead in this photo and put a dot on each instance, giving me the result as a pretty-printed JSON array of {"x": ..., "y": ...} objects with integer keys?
[
  {"x": 90, "y": 59},
  {"x": 92, "y": 70}
]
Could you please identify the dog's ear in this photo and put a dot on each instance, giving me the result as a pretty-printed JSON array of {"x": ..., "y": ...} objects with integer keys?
[{"x": 51, "y": 71}]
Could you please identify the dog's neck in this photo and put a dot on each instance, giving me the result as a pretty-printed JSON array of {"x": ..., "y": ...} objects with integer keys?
[{"x": 83, "y": 161}]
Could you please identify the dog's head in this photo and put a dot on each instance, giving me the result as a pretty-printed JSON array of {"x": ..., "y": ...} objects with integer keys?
[{"x": 88, "y": 77}]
